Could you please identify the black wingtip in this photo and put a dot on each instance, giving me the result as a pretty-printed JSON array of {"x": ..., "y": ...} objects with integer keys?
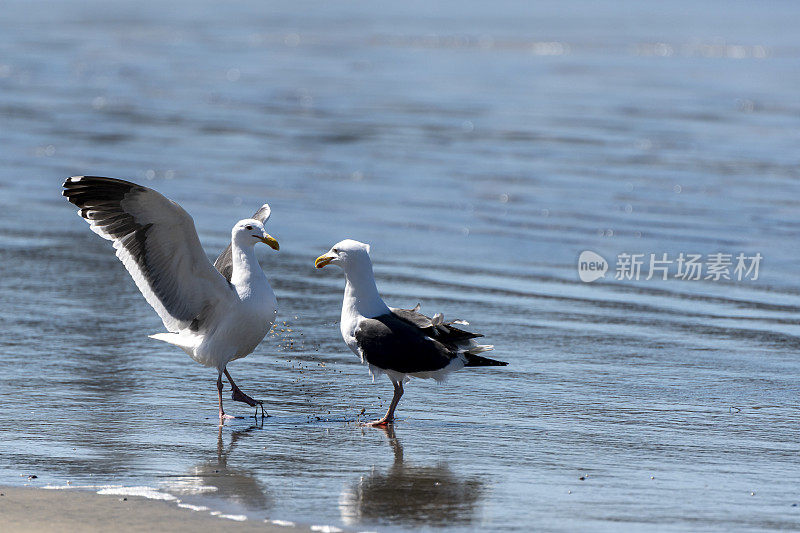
[
  {"x": 91, "y": 191},
  {"x": 477, "y": 360}
]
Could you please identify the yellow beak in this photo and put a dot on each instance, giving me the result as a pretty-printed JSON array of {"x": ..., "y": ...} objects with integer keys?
[
  {"x": 270, "y": 241},
  {"x": 323, "y": 260}
]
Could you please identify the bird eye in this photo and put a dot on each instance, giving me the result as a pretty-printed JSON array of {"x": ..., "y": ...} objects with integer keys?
[
  {"x": 248, "y": 227},
  {"x": 335, "y": 251}
]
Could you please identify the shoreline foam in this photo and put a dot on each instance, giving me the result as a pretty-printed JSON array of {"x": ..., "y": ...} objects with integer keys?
[{"x": 27, "y": 509}]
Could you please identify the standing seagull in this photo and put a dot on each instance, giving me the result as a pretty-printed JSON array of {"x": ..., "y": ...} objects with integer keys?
[
  {"x": 215, "y": 316},
  {"x": 400, "y": 343}
]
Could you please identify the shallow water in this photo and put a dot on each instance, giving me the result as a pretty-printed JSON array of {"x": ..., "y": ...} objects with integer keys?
[{"x": 480, "y": 150}]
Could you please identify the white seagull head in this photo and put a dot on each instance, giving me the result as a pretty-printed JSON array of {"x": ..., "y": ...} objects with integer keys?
[
  {"x": 345, "y": 253},
  {"x": 249, "y": 231}
]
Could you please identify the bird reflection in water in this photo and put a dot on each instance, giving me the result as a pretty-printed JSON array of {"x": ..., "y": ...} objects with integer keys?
[
  {"x": 410, "y": 494},
  {"x": 214, "y": 479}
]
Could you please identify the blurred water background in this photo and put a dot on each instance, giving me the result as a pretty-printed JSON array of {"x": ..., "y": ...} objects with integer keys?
[{"x": 479, "y": 147}]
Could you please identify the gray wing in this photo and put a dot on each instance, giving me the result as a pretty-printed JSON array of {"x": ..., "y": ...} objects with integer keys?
[
  {"x": 224, "y": 262},
  {"x": 157, "y": 242}
]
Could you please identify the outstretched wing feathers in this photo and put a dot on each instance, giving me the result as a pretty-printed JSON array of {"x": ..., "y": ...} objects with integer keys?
[{"x": 157, "y": 242}]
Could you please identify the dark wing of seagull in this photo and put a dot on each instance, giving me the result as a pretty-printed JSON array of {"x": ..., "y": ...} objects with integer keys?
[
  {"x": 157, "y": 242},
  {"x": 455, "y": 340},
  {"x": 442, "y": 331},
  {"x": 224, "y": 262},
  {"x": 389, "y": 342}
]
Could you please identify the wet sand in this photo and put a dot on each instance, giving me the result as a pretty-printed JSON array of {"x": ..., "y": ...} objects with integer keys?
[{"x": 42, "y": 511}]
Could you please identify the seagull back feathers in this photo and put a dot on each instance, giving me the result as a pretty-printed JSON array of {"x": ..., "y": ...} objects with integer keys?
[
  {"x": 157, "y": 242},
  {"x": 442, "y": 331},
  {"x": 390, "y": 343},
  {"x": 410, "y": 342}
]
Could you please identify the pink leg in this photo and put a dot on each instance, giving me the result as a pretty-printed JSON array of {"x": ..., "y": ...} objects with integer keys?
[
  {"x": 222, "y": 415},
  {"x": 388, "y": 418}
]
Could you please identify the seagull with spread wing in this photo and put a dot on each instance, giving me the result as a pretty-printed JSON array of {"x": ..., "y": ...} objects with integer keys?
[
  {"x": 401, "y": 343},
  {"x": 216, "y": 313}
]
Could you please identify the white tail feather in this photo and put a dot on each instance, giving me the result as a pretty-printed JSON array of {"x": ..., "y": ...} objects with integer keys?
[
  {"x": 183, "y": 341},
  {"x": 479, "y": 348}
]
